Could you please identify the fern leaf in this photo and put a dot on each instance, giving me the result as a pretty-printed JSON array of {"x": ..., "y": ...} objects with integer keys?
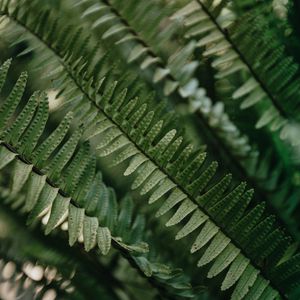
[
  {"x": 104, "y": 239},
  {"x": 43, "y": 203},
  {"x": 217, "y": 245},
  {"x": 14, "y": 132},
  {"x": 59, "y": 210},
  {"x": 34, "y": 131},
  {"x": 75, "y": 223},
  {"x": 144, "y": 163},
  {"x": 41, "y": 154},
  {"x": 206, "y": 234},
  {"x": 6, "y": 157},
  {"x": 3, "y": 72},
  {"x": 8, "y": 108},
  {"x": 21, "y": 174},
  {"x": 90, "y": 227}
]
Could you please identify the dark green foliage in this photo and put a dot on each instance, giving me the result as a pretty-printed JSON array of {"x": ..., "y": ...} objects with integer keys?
[{"x": 130, "y": 100}]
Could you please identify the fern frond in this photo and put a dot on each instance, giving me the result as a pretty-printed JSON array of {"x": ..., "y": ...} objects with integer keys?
[
  {"x": 241, "y": 156},
  {"x": 152, "y": 139},
  {"x": 175, "y": 75},
  {"x": 80, "y": 277},
  {"x": 66, "y": 188},
  {"x": 188, "y": 184},
  {"x": 272, "y": 83},
  {"x": 232, "y": 141}
]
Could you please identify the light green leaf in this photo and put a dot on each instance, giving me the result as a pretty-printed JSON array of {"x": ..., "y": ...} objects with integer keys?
[
  {"x": 235, "y": 271},
  {"x": 139, "y": 248},
  {"x": 144, "y": 172},
  {"x": 160, "y": 74},
  {"x": 75, "y": 223},
  {"x": 115, "y": 29},
  {"x": 104, "y": 239},
  {"x": 93, "y": 9},
  {"x": 185, "y": 208},
  {"x": 102, "y": 20},
  {"x": 165, "y": 186},
  {"x": 253, "y": 98},
  {"x": 206, "y": 234},
  {"x": 90, "y": 228},
  {"x": 268, "y": 116},
  {"x": 170, "y": 87},
  {"x": 58, "y": 213},
  {"x": 36, "y": 183},
  {"x": 197, "y": 219},
  {"x": 116, "y": 145},
  {"x": 152, "y": 181},
  {"x": 217, "y": 245},
  {"x": 246, "y": 88},
  {"x": 245, "y": 283},
  {"x": 20, "y": 175},
  {"x": 148, "y": 61},
  {"x": 44, "y": 202},
  {"x": 126, "y": 153},
  {"x": 223, "y": 260},
  {"x": 6, "y": 156},
  {"x": 136, "y": 53},
  {"x": 175, "y": 197},
  {"x": 257, "y": 289}
]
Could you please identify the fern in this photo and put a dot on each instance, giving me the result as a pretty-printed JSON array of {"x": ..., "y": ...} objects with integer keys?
[
  {"x": 179, "y": 69},
  {"x": 211, "y": 116},
  {"x": 69, "y": 273},
  {"x": 271, "y": 79},
  {"x": 237, "y": 238},
  {"x": 73, "y": 191},
  {"x": 152, "y": 157},
  {"x": 176, "y": 75},
  {"x": 152, "y": 163},
  {"x": 243, "y": 159}
]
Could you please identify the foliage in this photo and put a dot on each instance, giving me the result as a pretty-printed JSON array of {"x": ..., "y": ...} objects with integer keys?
[{"x": 152, "y": 99}]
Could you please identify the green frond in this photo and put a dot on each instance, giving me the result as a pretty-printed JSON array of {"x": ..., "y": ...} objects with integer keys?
[
  {"x": 245, "y": 44},
  {"x": 147, "y": 163},
  {"x": 227, "y": 230},
  {"x": 76, "y": 195},
  {"x": 177, "y": 74}
]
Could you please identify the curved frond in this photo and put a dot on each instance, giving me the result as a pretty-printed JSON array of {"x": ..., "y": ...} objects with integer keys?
[{"x": 66, "y": 188}]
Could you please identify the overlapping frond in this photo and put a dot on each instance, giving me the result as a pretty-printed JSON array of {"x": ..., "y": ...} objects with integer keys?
[
  {"x": 165, "y": 165},
  {"x": 65, "y": 186},
  {"x": 231, "y": 232},
  {"x": 272, "y": 77},
  {"x": 240, "y": 154},
  {"x": 176, "y": 74}
]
